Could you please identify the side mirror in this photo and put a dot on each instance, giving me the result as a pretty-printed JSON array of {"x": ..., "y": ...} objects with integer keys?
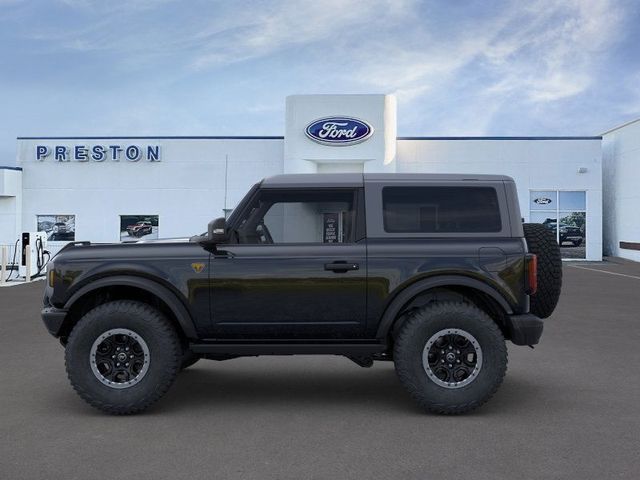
[{"x": 217, "y": 230}]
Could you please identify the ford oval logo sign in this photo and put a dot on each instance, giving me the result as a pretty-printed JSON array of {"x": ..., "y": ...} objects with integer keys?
[
  {"x": 339, "y": 131},
  {"x": 542, "y": 201}
]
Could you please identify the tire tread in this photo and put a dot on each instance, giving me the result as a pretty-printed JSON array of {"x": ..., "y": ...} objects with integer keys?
[
  {"x": 542, "y": 242},
  {"x": 407, "y": 335},
  {"x": 164, "y": 327}
]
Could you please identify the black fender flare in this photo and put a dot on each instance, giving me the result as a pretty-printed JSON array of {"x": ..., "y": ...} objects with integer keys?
[
  {"x": 178, "y": 309},
  {"x": 405, "y": 295}
]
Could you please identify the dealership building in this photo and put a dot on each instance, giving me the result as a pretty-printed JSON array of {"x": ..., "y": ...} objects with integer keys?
[{"x": 111, "y": 189}]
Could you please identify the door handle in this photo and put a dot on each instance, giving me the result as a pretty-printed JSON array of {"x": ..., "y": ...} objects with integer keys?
[{"x": 341, "y": 267}]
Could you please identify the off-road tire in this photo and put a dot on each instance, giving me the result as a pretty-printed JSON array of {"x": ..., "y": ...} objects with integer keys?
[
  {"x": 542, "y": 242},
  {"x": 165, "y": 354},
  {"x": 188, "y": 359},
  {"x": 410, "y": 343}
]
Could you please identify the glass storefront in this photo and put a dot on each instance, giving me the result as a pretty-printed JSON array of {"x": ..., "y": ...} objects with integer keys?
[{"x": 565, "y": 214}]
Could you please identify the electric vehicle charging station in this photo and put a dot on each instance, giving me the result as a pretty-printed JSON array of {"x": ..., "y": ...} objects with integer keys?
[{"x": 33, "y": 254}]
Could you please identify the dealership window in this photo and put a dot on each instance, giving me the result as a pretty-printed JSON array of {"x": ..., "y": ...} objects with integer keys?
[
  {"x": 441, "y": 210},
  {"x": 138, "y": 227},
  {"x": 59, "y": 228},
  {"x": 565, "y": 214},
  {"x": 298, "y": 217}
]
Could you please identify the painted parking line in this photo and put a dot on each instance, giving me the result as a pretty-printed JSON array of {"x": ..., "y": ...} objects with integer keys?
[{"x": 604, "y": 271}]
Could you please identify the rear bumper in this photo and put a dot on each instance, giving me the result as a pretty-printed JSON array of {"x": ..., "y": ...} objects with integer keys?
[
  {"x": 53, "y": 319},
  {"x": 525, "y": 329}
]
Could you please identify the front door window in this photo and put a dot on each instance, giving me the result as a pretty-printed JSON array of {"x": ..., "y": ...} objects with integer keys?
[{"x": 298, "y": 217}]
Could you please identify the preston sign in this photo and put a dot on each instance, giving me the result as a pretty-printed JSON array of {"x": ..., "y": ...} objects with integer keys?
[
  {"x": 339, "y": 131},
  {"x": 99, "y": 153}
]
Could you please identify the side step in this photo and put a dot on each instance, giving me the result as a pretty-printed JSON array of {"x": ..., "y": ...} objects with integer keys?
[{"x": 289, "y": 348}]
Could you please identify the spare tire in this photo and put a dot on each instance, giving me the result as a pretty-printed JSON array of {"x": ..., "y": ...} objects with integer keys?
[{"x": 542, "y": 242}]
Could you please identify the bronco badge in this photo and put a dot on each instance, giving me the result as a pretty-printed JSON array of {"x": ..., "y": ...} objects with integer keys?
[{"x": 197, "y": 267}]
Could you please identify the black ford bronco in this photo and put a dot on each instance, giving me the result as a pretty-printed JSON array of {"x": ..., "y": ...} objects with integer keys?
[{"x": 432, "y": 272}]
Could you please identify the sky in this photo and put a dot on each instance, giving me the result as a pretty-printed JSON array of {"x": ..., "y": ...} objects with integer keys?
[{"x": 195, "y": 67}]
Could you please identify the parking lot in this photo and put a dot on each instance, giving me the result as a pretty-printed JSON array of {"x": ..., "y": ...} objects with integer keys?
[{"x": 568, "y": 409}]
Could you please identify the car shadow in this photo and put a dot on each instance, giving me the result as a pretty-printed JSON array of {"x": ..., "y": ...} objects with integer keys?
[
  {"x": 205, "y": 389},
  {"x": 306, "y": 388},
  {"x": 375, "y": 389}
]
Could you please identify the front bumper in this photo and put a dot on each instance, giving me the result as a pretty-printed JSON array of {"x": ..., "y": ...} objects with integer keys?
[
  {"x": 53, "y": 319},
  {"x": 525, "y": 329}
]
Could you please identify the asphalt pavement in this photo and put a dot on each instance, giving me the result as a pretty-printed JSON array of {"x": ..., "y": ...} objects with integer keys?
[{"x": 568, "y": 409}]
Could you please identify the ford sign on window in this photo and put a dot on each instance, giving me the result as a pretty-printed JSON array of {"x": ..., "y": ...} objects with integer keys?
[{"x": 339, "y": 130}]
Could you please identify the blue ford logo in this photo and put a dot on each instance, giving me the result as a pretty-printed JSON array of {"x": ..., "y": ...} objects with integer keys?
[{"x": 338, "y": 130}]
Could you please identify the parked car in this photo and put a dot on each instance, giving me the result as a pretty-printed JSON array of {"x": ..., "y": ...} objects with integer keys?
[
  {"x": 61, "y": 232},
  {"x": 45, "y": 226},
  {"x": 432, "y": 272},
  {"x": 140, "y": 228},
  {"x": 568, "y": 233}
]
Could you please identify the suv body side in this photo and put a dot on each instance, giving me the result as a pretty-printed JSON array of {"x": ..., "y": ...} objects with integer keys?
[
  {"x": 291, "y": 291},
  {"x": 489, "y": 262}
]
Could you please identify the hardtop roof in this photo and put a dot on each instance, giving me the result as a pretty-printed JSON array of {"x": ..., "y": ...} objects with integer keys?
[{"x": 357, "y": 179}]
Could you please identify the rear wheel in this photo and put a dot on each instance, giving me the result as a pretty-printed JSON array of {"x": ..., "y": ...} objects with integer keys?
[
  {"x": 451, "y": 357},
  {"x": 122, "y": 356},
  {"x": 542, "y": 242}
]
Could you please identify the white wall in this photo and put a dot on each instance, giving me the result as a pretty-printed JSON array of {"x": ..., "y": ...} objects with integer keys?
[
  {"x": 10, "y": 205},
  {"x": 621, "y": 183},
  {"x": 186, "y": 188},
  {"x": 533, "y": 164}
]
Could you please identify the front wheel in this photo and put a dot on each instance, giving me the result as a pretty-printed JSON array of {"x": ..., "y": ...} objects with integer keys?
[
  {"x": 122, "y": 356},
  {"x": 451, "y": 357}
]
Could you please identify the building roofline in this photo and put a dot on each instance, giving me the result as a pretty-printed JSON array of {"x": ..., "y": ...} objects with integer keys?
[
  {"x": 621, "y": 126},
  {"x": 596, "y": 137},
  {"x": 258, "y": 137},
  {"x": 6, "y": 167},
  {"x": 159, "y": 137}
]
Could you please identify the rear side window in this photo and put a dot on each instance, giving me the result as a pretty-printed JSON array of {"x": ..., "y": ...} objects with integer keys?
[{"x": 441, "y": 210}]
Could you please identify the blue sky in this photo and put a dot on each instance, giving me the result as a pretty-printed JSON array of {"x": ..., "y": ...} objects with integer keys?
[{"x": 162, "y": 67}]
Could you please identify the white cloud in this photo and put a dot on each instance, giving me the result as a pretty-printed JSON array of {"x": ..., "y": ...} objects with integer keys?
[
  {"x": 549, "y": 54},
  {"x": 286, "y": 24},
  {"x": 544, "y": 52},
  {"x": 460, "y": 71}
]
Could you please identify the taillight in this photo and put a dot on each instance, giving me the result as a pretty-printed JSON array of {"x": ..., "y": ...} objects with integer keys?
[{"x": 532, "y": 273}]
